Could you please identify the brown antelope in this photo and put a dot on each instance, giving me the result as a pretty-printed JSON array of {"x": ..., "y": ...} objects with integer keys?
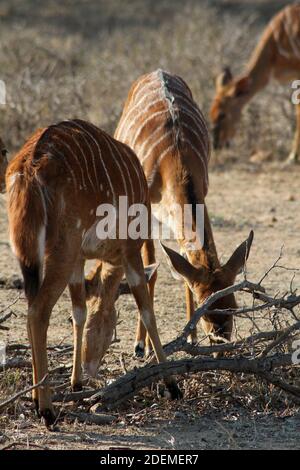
[
  {"x": 55, "y": 185},
  {"x": 164, "y": 126},
  {"x": 3, "y": 165},
  {"x": 276, "y": 55}
]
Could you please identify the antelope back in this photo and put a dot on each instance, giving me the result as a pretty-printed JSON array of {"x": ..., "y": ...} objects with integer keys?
[
  {"x": 164, "y": 126},
  {"x": 61, "y": 176}
]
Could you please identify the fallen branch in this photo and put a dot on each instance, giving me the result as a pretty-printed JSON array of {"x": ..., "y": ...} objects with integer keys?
[
  {"x": 128, "y": 385},
  {"x": 5, "y": 403}
]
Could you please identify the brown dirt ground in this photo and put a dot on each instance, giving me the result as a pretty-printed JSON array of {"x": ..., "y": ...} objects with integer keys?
[{"x": 242, "y": 197}]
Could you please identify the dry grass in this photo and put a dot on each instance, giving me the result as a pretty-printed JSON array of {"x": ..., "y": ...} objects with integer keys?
[{"x": 79, "y": 59}]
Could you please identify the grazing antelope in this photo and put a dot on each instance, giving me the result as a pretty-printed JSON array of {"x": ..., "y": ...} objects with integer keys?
[
  {"x": 164, "y": 126},
  {"x": 55, "y": 185},
  {"x": 276, "y": 55},
  {"x": 3, "y": 165}
]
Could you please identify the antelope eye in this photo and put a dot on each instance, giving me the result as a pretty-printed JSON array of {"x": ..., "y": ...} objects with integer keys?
[
  {"x": 4, "y": 152},
  {"x": 222, "y": 116}
]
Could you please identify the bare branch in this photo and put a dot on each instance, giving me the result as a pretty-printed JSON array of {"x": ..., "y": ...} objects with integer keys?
[{"x": 5, "y": 403}]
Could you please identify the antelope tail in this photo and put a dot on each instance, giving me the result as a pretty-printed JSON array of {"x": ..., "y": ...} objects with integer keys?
[{"x": 27, "y": 226}]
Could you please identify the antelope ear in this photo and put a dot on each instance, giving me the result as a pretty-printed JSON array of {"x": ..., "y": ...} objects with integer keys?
[
  {"x": 180, "y": 267},
  {"x": 149, "y": 272},
  {"x": 242, "y": 87},
  {"x": 224, "y": 78},
  {"x": 240, "y": 255}
]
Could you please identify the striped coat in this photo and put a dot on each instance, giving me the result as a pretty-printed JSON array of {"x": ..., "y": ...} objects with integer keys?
[
  {"x": 56, "y": 184},
  {"x": 166, "y": 129}
]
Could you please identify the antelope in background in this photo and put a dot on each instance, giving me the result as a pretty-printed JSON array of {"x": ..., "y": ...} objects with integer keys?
[
  {"x": 3, "y": 165},
  {"x": 276, "y": 55},
  {"x": 55, "y": 184},
  {"x": 164, "y": 126}
]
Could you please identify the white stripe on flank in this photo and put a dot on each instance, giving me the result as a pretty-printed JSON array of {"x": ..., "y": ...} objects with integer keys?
[
  {"x": 165, "y": 152},
  {"x": 144, "y": 123},
  {"x": 83, "y": 155},
  {"x": 188, "y": 142},
  {"x": 187, "y": 112},
  {"x": 117, "y": 163},
  {"x": 139, "y": 115},
  {"x": 194, "y": 110},
  {"x": 127, "y": 171},
  {"x": 146, "y": 89},
  {"x": 138, "y": 174},
  {"x": 204, "y": 144},
  {"x": 131, "y": 110},
  {"x": 155, "y": 144},
  {"x": 140, "y": 83},
  {"x": 101, "y": 158},
  {"x": 76, "y": 159},
  {"x": 110, "y": 142},
  {"x": 141, "y": 150},
  {"x": 92, "y": 155}
]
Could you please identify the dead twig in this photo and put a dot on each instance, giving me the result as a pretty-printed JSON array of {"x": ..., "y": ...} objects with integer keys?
[{"x": 5, "y": 403}]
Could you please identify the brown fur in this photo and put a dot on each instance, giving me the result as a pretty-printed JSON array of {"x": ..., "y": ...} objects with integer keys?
[
  {"x": 55, "y": 184},
  {"x": 180, "y": 176}
]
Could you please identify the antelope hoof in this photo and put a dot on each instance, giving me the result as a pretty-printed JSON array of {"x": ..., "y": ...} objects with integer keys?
[
  {"x": 48, "y": 416},
  {"x": 174, "y": 391},
  {"x": 35, "y": 402},
  {"x": 77, "y": 387},
  {"x": 139, "y": 349}
]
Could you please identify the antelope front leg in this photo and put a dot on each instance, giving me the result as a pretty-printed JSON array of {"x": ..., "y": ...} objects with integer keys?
[
  {"x": 134, "y": 272},
  {"x": 78, "y": 298},
  {"x": 294, "y": 156},
  {"x": 142, "y": 342}
]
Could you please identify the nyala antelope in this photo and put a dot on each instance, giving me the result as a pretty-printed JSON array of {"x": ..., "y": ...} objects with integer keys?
[
  {"x": 55, "y": 184},
  {"x": 164, "y": 126},
  {"x": 3, "y": 165},
  {"x": 276, "y": 55}
]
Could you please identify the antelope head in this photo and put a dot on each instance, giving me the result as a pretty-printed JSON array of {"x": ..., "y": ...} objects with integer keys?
[
  {"x": 231, "y": 95},
  {"x": 102, "y": 317},
  {"x": 203, "y": 282},
  {"x": 3, "y": 165}
]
